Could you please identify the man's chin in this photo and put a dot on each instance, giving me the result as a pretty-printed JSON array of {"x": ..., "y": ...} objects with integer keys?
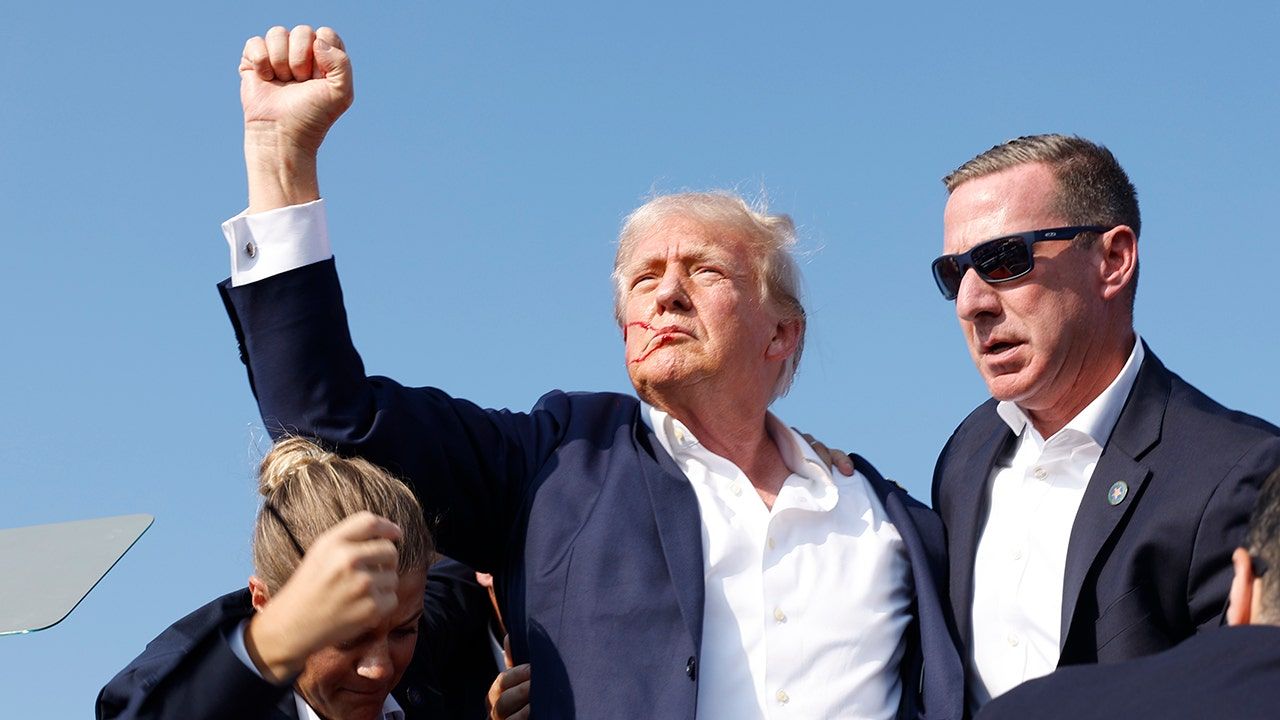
[{"x": 1006, "y": 387}]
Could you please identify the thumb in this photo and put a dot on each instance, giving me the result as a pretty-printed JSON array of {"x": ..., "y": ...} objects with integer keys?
[{"x": 332, "y": 64}]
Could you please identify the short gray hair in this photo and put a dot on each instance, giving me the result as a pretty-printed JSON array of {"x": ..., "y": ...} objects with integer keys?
[{"x": 770, "y": 236}]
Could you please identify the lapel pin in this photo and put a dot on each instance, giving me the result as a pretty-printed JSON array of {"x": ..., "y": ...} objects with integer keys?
[{"x": 1119, "y": 490}]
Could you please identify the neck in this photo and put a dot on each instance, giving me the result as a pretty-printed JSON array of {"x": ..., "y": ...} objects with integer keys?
[
  {"x": 735, "y": 428},
  {"x": 1096, "y": 368}
]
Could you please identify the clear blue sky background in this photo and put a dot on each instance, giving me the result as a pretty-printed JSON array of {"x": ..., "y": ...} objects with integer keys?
[{"x": 474, "y": 193}]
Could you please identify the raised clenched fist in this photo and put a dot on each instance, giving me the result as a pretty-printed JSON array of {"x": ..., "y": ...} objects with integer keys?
[{"x": 294, "y": 84}]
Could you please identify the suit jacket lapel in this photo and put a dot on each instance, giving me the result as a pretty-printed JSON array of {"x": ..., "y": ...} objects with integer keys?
[
  {"x": 675, "y": 511},
  {"x": 971, "y": 470},
  {"x": 942, "y": 673},
  {"x": 1137, "y": 430}
]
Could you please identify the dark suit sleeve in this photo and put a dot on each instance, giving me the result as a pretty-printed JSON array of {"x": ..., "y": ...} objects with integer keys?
[
  {"x": 471, "y": 467},
  {"x": 179, "y": 677},
  {"x": 1222, "y": 529}
]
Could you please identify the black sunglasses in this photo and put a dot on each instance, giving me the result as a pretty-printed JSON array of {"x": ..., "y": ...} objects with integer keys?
[{"x": 1000, "y": 260}]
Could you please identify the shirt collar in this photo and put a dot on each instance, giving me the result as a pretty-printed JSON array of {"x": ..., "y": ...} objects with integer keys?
[
  {"x": 391, "y": 709},
  {"x": 798, "y": 456},
  {"x": 1099, "y": 417}
]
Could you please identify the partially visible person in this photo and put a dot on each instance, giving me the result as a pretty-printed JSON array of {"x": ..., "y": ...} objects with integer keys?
[
  {"x": 329, "y": 620},
  {"x": 1092, "y": 504},
  {"x": 454, "y": 663},
  {"x": 1231, "y": 673}
]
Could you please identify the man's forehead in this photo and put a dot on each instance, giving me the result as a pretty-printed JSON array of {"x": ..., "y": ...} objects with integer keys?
[
  {"x": 685, "y": 236},
  {"x": 1013, "y": 200}
]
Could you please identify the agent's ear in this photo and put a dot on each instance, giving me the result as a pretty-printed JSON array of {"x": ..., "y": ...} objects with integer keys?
[
  {"x": 1240, "y": 601},
  {"x": 258, "y": 590},
  {"x": 1119, "y": 260}
]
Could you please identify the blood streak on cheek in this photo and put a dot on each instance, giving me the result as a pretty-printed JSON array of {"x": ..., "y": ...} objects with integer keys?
[
  {"x": 652, "y": 349},
  {"x": 626, "y": 330}
]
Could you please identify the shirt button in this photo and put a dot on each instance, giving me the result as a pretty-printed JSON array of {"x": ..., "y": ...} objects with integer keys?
[
  {"x": 1040, "y": 473},
  {"x": 736, "y": 489},
  {"x": 679, "y": 435},
  {"x": 779, "y": 615},
  {"x": 1013, "y": 640},
  {"x": 250, "y": 249},
  {"x": 771, "y": 543},
  {"x": 1017, "y": 554},
  {"x": 783, "y": 697}
]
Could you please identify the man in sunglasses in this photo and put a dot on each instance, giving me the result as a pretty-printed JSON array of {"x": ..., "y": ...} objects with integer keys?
[
  {"x": 1234, "y": 673},
  {"x": 1092, "y": 504}
]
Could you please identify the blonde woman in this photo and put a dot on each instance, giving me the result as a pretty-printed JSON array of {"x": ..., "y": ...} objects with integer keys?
[{"x": 329, "y": 620}]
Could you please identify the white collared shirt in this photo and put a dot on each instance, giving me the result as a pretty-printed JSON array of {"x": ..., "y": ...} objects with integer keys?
[
  {"x": 391, "y": 709},
  {"x": 807, "y": 603},
  {"x": 1033, "y": 496}
]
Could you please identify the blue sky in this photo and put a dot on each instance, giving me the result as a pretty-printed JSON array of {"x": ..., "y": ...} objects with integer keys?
[{"x": 474, "y": 192}]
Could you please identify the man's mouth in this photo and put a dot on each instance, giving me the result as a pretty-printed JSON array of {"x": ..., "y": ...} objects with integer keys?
[
  {"x": 998, "y": 347},
  {"x": 661, "y": 336}
]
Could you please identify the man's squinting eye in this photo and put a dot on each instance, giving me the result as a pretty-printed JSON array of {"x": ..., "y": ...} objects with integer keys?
[{"x": 642, "y": 279}]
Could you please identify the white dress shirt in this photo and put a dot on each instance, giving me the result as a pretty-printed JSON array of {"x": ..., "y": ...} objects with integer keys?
[
  {"x": 807, "y": 602},
  {"x": 391, "y": 709},
  {"x": 1033, "y": 495}
]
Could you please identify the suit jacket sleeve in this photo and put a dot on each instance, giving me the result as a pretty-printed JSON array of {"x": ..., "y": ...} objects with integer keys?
[
  {"x": 471, "y": 467},
  {"x": 190, "y": 672}
]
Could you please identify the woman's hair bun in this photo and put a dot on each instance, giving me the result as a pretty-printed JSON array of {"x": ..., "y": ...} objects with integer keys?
[{"x": 283, "y": 463}]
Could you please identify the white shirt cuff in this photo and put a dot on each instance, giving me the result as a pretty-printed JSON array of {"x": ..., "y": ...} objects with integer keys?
[{"x": 276, "y": 241}]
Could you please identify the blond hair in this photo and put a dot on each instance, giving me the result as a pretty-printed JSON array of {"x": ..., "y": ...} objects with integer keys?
[{"x": 306, "y": 490}]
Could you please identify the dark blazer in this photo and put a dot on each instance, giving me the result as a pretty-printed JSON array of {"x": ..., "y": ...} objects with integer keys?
[
  {"x": 190, "y": 671},
  {"x": 589, "y": 526},
  {"x": 1233, "y": 673},
  {"x": 1146, "y": 573}
]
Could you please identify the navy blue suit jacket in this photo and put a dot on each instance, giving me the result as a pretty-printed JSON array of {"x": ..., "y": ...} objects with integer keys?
[
  {"x": 1145, "y": 574},
  {"x": 590, "y": 527},
  {"x": 190, "y": 672},
  {"x": 1233, "y": 673}
]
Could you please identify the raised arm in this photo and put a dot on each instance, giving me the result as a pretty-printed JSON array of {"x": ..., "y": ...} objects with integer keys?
[{"x": 470, "y": 467}]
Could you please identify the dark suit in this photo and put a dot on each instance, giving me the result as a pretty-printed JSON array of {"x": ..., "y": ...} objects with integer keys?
[
  {"x": 590, "y": 527},
  {"x": 1146, "y": 573},
  {"x": 190, "y": 671},
  {"x": 1232, "y": 673}
]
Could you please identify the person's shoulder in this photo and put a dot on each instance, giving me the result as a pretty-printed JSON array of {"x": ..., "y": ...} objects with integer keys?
[
  {"x": 1196, "y": 408},
  {"x": 189, "y": 629},
  {"x": 592, "y": 404},
  {"x": 883, "y": 488},
  {"x": 177, "y": 640}
]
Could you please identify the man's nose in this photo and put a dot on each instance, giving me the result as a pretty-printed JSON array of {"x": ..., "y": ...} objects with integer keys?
[
  {"x": 671, "y": 295},
  {"x": 375, "y": 662},
  {"x": 976, "y": 297}
]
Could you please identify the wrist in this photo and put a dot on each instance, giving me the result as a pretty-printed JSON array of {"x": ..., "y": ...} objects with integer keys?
[
  {"x": 270, "y": 648},
  {"x": 281, "y": 170}
]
